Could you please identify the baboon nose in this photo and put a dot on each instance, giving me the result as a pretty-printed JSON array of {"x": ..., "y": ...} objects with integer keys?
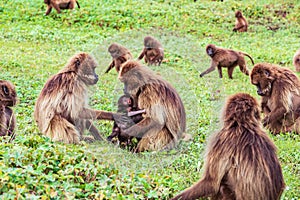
[{"x": 259, "y": 92}]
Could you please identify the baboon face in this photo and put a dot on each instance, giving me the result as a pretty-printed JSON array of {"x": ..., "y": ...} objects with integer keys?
[
  {"x": 125, "y": 101},
  {"x": 149, "y": 42},
  {"x": 86, "y": 70},
  {"x": 114, "y": 50},
  {"x": 262, "y": 78},
  {"x": 238, "y": 14},
  {"x": 8, "y": 96},
  {"x": 210, "y": 50}
]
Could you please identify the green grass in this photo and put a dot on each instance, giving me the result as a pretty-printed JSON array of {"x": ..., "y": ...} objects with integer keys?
[{"x": 34, "y": 46}]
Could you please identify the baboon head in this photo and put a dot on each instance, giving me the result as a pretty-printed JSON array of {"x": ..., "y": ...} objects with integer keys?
[
  {"x": 149, "y": 42},
  {"x": 238, "y": 14},
  {"x": 125, "y": 101},
  {"x": 211, "y": 50},
  {"x": 262, "y": 77},
  {"x": 116, "y": 50},
  {"x": 84, "y": 66},
  {"x": 8, "y": 95},
  {"x": 241, "y": 108}
]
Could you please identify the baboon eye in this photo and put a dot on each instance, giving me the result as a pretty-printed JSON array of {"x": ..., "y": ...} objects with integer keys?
[
  {"x": 77, "y": 63},
  {"x": 267, "y": 73},
  {"x": 5, "y": 90}
]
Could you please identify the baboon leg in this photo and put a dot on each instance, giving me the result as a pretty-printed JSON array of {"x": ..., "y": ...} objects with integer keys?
[
  {"x": 49, "y": 8},
  {"x": 230, "y": 72},
  {"x": 220, "y": 71},
  {"x": 71, "y": 4},
  {"x": 56, "y": 7}
]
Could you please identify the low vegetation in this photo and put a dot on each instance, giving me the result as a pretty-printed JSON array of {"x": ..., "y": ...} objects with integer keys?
[{"x": 34, "y": 46}]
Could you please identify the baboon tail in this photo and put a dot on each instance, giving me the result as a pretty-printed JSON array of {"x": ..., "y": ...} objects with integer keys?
[
  {"x": 63, "y": 131},
  {"x": 249, "y": 57},
  {"x": 78, "y": 4}
]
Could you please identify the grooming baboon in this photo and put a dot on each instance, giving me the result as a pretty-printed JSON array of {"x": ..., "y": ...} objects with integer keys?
[
  {"x": 131, "y": 115},
  {"x": 61, "y": 110},
  {"x": 241, "y": 24},
  {"x": 280, "y": 91},
  {"x": 119, "y": 54},
  {"x": 296, "y": 61},
  {"x": 60, "y": 5},
  {"x": 152, "y": 51},
  {"x": 164, "y": 122},
  {"x": 228, "y": 58},
  {"x": 8, "y": 97},
  {"x": 240, "y": 160}
]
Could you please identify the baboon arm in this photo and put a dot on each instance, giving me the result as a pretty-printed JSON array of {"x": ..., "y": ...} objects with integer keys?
[
  {"x": 277, "y": 114},
  {"x": 112, "y": 64},
  {"x": 56, "y": 7},
  {"x": 87, "y": 113},
  {"x": 142, "y": 54},
  {"x": 133, "y": 113},
  {"x": 147, "y": 126},
  {"x": 212, "y": 68}
]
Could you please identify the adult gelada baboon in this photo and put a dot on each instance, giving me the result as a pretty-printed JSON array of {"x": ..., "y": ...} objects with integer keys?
[
  {"x": 164, "y": 122},
  {"x": 279, "y": 89},
  {"x": 240, "y": 160},
  {"x": 227, "y": 58},
  {"x": 241, "y": 24},
  {"x": 60, "y": 5},
  {"x": 61, "y": 110},
  {"x": 153, "y": 51},
  {"x": 119, "y": 54},
  {"x": 296, "y": 61},
  {"x": 8, "y": 98}
]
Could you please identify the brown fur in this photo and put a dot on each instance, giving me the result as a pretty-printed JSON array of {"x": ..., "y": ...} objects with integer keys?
[
  {"x": 131, "y": 115},
  {"x": 280, "y": 91},
  {"x": 8, "y": 97},
  {"x": 240, "y": 161},
  {"x": 119, "y": 54},
  {"x": 296, "y": 61},
  {"x": 60, "y": 5},
  {"x": 165, "y": 120},
  {"x": 226, "y": 58},
  {"x": 153, "y": 51},
  {"x": 61, "y": 110},
  {"x": 241, "y": 24}
]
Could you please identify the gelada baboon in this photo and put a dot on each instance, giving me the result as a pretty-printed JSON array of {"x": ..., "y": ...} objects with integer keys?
[
  {"x": 119, "y": 54},
  {"x": 280, "y": 91},
  {"x": 241, "y": 24},
  {"x": 132, "y": 115},
  {"x": 296, "y": 61},
  {"x": 8, "y": 98},
  {"x": 60, "y": 5},
  {"x": 152, "y": 51},
  {"x": 240, "y": 160},
  {"x": 164, "y": 122},
  {"x": 227, "y": 58},
  {"x": 61, "y": 110}
]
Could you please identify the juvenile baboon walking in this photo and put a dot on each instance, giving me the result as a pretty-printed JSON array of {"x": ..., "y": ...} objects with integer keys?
[
  {"x": 60, "y": 5},
  {"x": 119, "y": 54},
  {"x": 240, "y": 161},
  {"x": 226, "y": 58},
  {"x": 61, "y": 110},
  {"x": 153, "y": 51}
]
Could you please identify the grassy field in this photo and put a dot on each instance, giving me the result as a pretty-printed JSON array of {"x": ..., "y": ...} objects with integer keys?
[{"x": 34, "y": 46}]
